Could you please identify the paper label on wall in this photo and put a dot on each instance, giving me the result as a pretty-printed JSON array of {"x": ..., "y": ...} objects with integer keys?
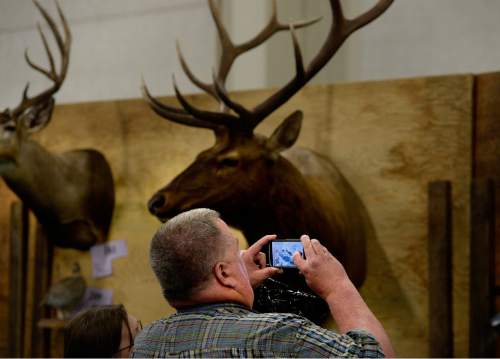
[{"x": 103, "y": 255}]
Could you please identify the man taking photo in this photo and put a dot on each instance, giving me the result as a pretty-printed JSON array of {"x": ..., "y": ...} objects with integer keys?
[{"x": 206, "y": 278}]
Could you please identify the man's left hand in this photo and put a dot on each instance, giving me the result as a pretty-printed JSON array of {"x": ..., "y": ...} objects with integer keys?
[{"x": 255, "y": 262}]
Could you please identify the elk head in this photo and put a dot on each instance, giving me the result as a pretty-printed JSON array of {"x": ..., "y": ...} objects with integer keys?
[
  {"x": 230, "y": 173},
  {"x": 72, "y": 194},
  {"x": 244, "y": 175}
]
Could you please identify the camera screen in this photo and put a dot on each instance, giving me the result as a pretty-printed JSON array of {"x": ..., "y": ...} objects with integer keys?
[{"x": 282, "y": 253}]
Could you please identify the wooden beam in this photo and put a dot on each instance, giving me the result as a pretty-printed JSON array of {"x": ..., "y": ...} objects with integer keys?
[
  {"x": 482, "y": 276},
  {"x": 18, "y": 277},
  {"x": 40, "y": 337},
  {"x": 440, "y": 270},
  {"x": 486, "y": 150}
]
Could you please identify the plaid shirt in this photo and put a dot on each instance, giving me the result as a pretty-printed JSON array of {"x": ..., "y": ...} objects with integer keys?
[{"x": 231, "y": 330}]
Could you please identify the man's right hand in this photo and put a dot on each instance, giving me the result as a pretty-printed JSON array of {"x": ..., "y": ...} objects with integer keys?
[
  {"x": 326, "y": 276},
  {"x": 322, "y": 271}
]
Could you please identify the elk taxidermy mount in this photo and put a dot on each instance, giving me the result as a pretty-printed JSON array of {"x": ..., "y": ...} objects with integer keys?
[
  {"x": 71, "y": 194},
  {"x": 260, "y": 184}
]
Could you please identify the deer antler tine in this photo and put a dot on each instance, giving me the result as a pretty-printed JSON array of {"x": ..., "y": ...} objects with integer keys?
[
  {"x": 49, "y": 53},
  {"x": 229, "y": 51},
  {"x": 52, "y": 25},
  {"x": 369, "y": 15},
  {"x": 36, "y": 67},
  {"x": 67, "y": 36},
  {"x": 222, "y": 119},
  {"x": 63, "y": 44},
  {"x": 174, "y": 114},
  {"x": 303, "y": 23},
  {"x": 221, "y": 30},
  {"x": 56, "y": 78},
  {"x": 67, "y": 32},
  {"x": 223, "y": 95},
  {"x": 24, "y": 99},
  {"x": 299, "y": 77},
  {"x": 340, "y": 29},
  {"x": 299, "y": 63},
  {"x": 25, "y": 91},
  {"x": 272, "y": 27},
  {"x": 202, "y": 85},
  {"x": 337, "y": 13},
  {"x": 281, "y": 26},
  {"x": 153, "y": 101},
  {"x": 274, "y": 11}
]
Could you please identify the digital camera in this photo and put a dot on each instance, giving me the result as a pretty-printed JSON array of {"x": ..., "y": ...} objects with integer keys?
[{"x": 280, "y": 252}]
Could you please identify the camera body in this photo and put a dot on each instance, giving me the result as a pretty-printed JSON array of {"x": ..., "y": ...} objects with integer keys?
[{"x": 280, "y": 252}]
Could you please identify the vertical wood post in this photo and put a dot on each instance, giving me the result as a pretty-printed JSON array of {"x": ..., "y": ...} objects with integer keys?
[
  {"x": 482, "y": 276},
  {"x": 40, "y": 337},
  {"x": 486, "y": 152},
  {"x": 18, "y": 277},
  {"x": 440, "y": 270}
]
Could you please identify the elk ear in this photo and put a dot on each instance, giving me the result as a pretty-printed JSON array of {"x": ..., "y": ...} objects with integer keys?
[
  {"x": 286, "y": 134},
  {"x": 37, "y": 116}
]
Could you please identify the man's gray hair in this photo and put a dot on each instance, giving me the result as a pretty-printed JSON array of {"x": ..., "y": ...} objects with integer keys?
[{"x": 183, "y": 252}]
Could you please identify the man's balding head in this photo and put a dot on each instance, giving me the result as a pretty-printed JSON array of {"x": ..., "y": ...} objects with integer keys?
[{"x": 183, "y": 252}]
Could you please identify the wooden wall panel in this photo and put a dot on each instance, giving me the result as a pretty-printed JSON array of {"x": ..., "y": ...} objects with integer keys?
[
  {"x": 18, "y": 273},
  {"x": 390, "y": 138},
  {"x": 487, "y": 142},
  {"x": 409, "y": 133},
  {"x": 487, "y": 118},
  {"x": 440, "y": 269},
  {"x": 6, "y": 199},
  {"x": 487, "y": 153},
  {"x": 482, "y": 303}
]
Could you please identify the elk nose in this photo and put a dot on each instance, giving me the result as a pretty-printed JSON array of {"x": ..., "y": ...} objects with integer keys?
[{"x": 155, "y": 203}]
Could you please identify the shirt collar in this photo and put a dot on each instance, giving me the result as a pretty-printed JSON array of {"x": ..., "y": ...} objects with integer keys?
[{"x": 209, "y": 307}]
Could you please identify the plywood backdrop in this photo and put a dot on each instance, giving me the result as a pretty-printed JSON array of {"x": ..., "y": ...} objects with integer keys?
[{"x": 390, "y": 138}]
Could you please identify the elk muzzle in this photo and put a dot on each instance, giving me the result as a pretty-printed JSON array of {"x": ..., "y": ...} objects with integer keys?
[{"x": 156, "y": 204}]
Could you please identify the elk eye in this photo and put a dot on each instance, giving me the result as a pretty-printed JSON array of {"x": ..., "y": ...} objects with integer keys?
[{"x": 229, "y": 162}]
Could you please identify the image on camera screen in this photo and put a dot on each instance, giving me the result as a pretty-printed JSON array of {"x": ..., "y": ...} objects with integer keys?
[{"x": 282, "y": 253}]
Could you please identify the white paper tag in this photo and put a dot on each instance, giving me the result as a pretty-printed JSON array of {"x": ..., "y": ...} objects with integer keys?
[{"x": 103, "y": 254}]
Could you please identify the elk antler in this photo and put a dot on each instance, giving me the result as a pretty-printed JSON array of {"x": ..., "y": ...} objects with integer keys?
[
  {"x": 230, "y": 51},
  {"x": 340, "y": 30},
  {"x": 57, "y": 78},
  {"x": 193, "y": 117}
]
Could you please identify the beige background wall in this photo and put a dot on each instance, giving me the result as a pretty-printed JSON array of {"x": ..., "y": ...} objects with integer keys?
[{"x": 389, "y": 138}]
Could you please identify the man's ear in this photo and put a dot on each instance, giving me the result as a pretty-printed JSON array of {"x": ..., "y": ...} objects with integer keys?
[
  {"x": 38, "y": 116},
  {"x": 224, "y": 275},
  {"x": 286, "y": 134}
]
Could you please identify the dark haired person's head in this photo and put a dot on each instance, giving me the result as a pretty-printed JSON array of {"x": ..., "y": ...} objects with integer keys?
[{"x": 104, "y": 331}]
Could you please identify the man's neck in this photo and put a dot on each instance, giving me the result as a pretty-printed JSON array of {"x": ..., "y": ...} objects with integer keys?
[{"x": 210, "y": 296}]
